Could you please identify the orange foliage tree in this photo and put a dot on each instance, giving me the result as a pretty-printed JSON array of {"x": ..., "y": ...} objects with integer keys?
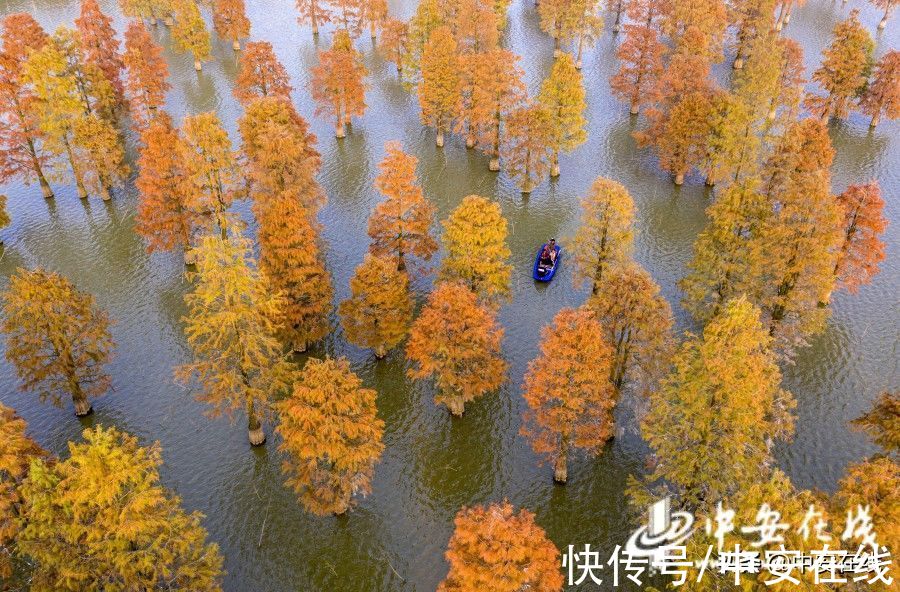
[
  {"x": 338, "y": 83},
  {"x": 260, "y": 74},
  {"x": 230, "y": 21},
  {"x": 640, "y": 56},
  {"x": 498, "y": 549},
  {"x": 378, "y": 313},
  {"x": 400, "y": 226},
  {"x": 147, "y": 82},
  {"x": 212, "y": 170},
  {"x": 440, "y": 86},
  {"x": 375, "y": 13},
  {"x": 21, "y": 153},
  {"x": 331, "y": 435},
  {"x": 681, "y": 138},
  {"x": 17, "y": 450},
  {"x": 56, "y": 338},
  {"x": 883, "y": 92},
  {"x": 281, "y": 153},
  {"x": 237, "y": 362},
  {"x": 475, "y": 26},
  {"x": 164, "y": 219},
  {"x": 528, "y": 145},
  {"x": 845, "y": 69},
  {"x": 477, "y": 225},
  {"x": 99, "y": 45},
  {"x": 861, "y": 249},
  {"x": 637, "y": 323},
  {"x": 290, "y": 257},
  {"x": 313, "y": 13},
  {"x": 497, "y": 89},
  {"x": 395, "y": 42},
  {"x": 605, "y": 236},
  {"x": 568, "y": 390},
  {"x": 456, "y": 343}
]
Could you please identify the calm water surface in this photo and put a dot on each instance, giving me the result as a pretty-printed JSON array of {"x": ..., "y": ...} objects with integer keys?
[{"x": 432, "y": 465}]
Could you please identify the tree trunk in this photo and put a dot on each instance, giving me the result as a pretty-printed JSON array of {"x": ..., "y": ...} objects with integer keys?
[
  {"x": 254, "y": 427},
  {"x": 79, "y": 183},
  {"x": 341, "y": 506},
  {"x": 169, "y": 21},
  {"x": 679, "y": 179},
  {"x": 875, "y": 119},
  {"x": 560, "y": 468},
  {"x": 456, "y": 405},
  {"x": 470, "y": 141},
  {"x": 236, "y": 45},
  {"x": 440, "y": 138},
  {"x": 152, "y": 21},
  {"x": 883, "y": 23},
  {"x": 372, "y": 31},
  {"x": 198, "y": 65},
  {"x": 299, "y": 346},
  {"x": 494, "y": 164},
  {"x": 554, "y": 165},
  {"x": 635, "y": 106},
  {"x": 738, "y": 63},
  {"x": 82, "y": 406},
  {"x": 340, "y": 130},
  {"x": 104, "y": 192},
  {"x": 380, "y": 352}
]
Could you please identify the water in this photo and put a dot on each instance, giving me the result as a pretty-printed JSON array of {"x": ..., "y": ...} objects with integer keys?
[{"x": 432, "y": 464}]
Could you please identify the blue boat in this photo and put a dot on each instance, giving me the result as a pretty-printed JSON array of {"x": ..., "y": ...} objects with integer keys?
[{"x": 542, "y": 273}]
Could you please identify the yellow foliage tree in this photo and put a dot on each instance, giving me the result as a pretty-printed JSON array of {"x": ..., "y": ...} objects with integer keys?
[
  {"x": 498, "y": 549},
  {"x": 379, "y": 311},
  {"x": 17, "y": 450},
  {"x": 562, "y": 94},
  {"x": 101, "y": 520},
  {"x": 400, "y": 226},
  {"x": 440, "y": 86},
  {"x": 456, "y": 342},
  {"x": 331, "y": 435},
  {"x": 237, "y": 363},
  {"x": 568, "y": 390},
  {"x": 712, "y": 421},
  {"x": 103, "y": 153},
  {"x": 212, "y": 170},
  {"x": 56, "y": 338},
  {"x": 476, "y": 253},
  {"x": 190, "y": 33},
  {"x": 605, "y": 236}
]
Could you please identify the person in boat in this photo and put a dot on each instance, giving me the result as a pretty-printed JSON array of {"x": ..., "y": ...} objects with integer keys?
[{"x": 548, "y": 254}]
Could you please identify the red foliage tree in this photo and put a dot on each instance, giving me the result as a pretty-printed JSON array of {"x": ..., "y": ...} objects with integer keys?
[
  {"x": 99, "y": 44},
  {"x": 147, "y": 82},
  {"x": 20, "y": 136},
  {"x": 862, "y": 248}
]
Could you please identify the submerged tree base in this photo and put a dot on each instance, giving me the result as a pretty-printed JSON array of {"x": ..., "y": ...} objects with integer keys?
[
  {"x": 257, "y": 437},
  {"x": 83, "y": 407}
]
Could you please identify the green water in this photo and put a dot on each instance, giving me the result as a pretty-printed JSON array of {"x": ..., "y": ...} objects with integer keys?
[{"x": 432, "y": 465}]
